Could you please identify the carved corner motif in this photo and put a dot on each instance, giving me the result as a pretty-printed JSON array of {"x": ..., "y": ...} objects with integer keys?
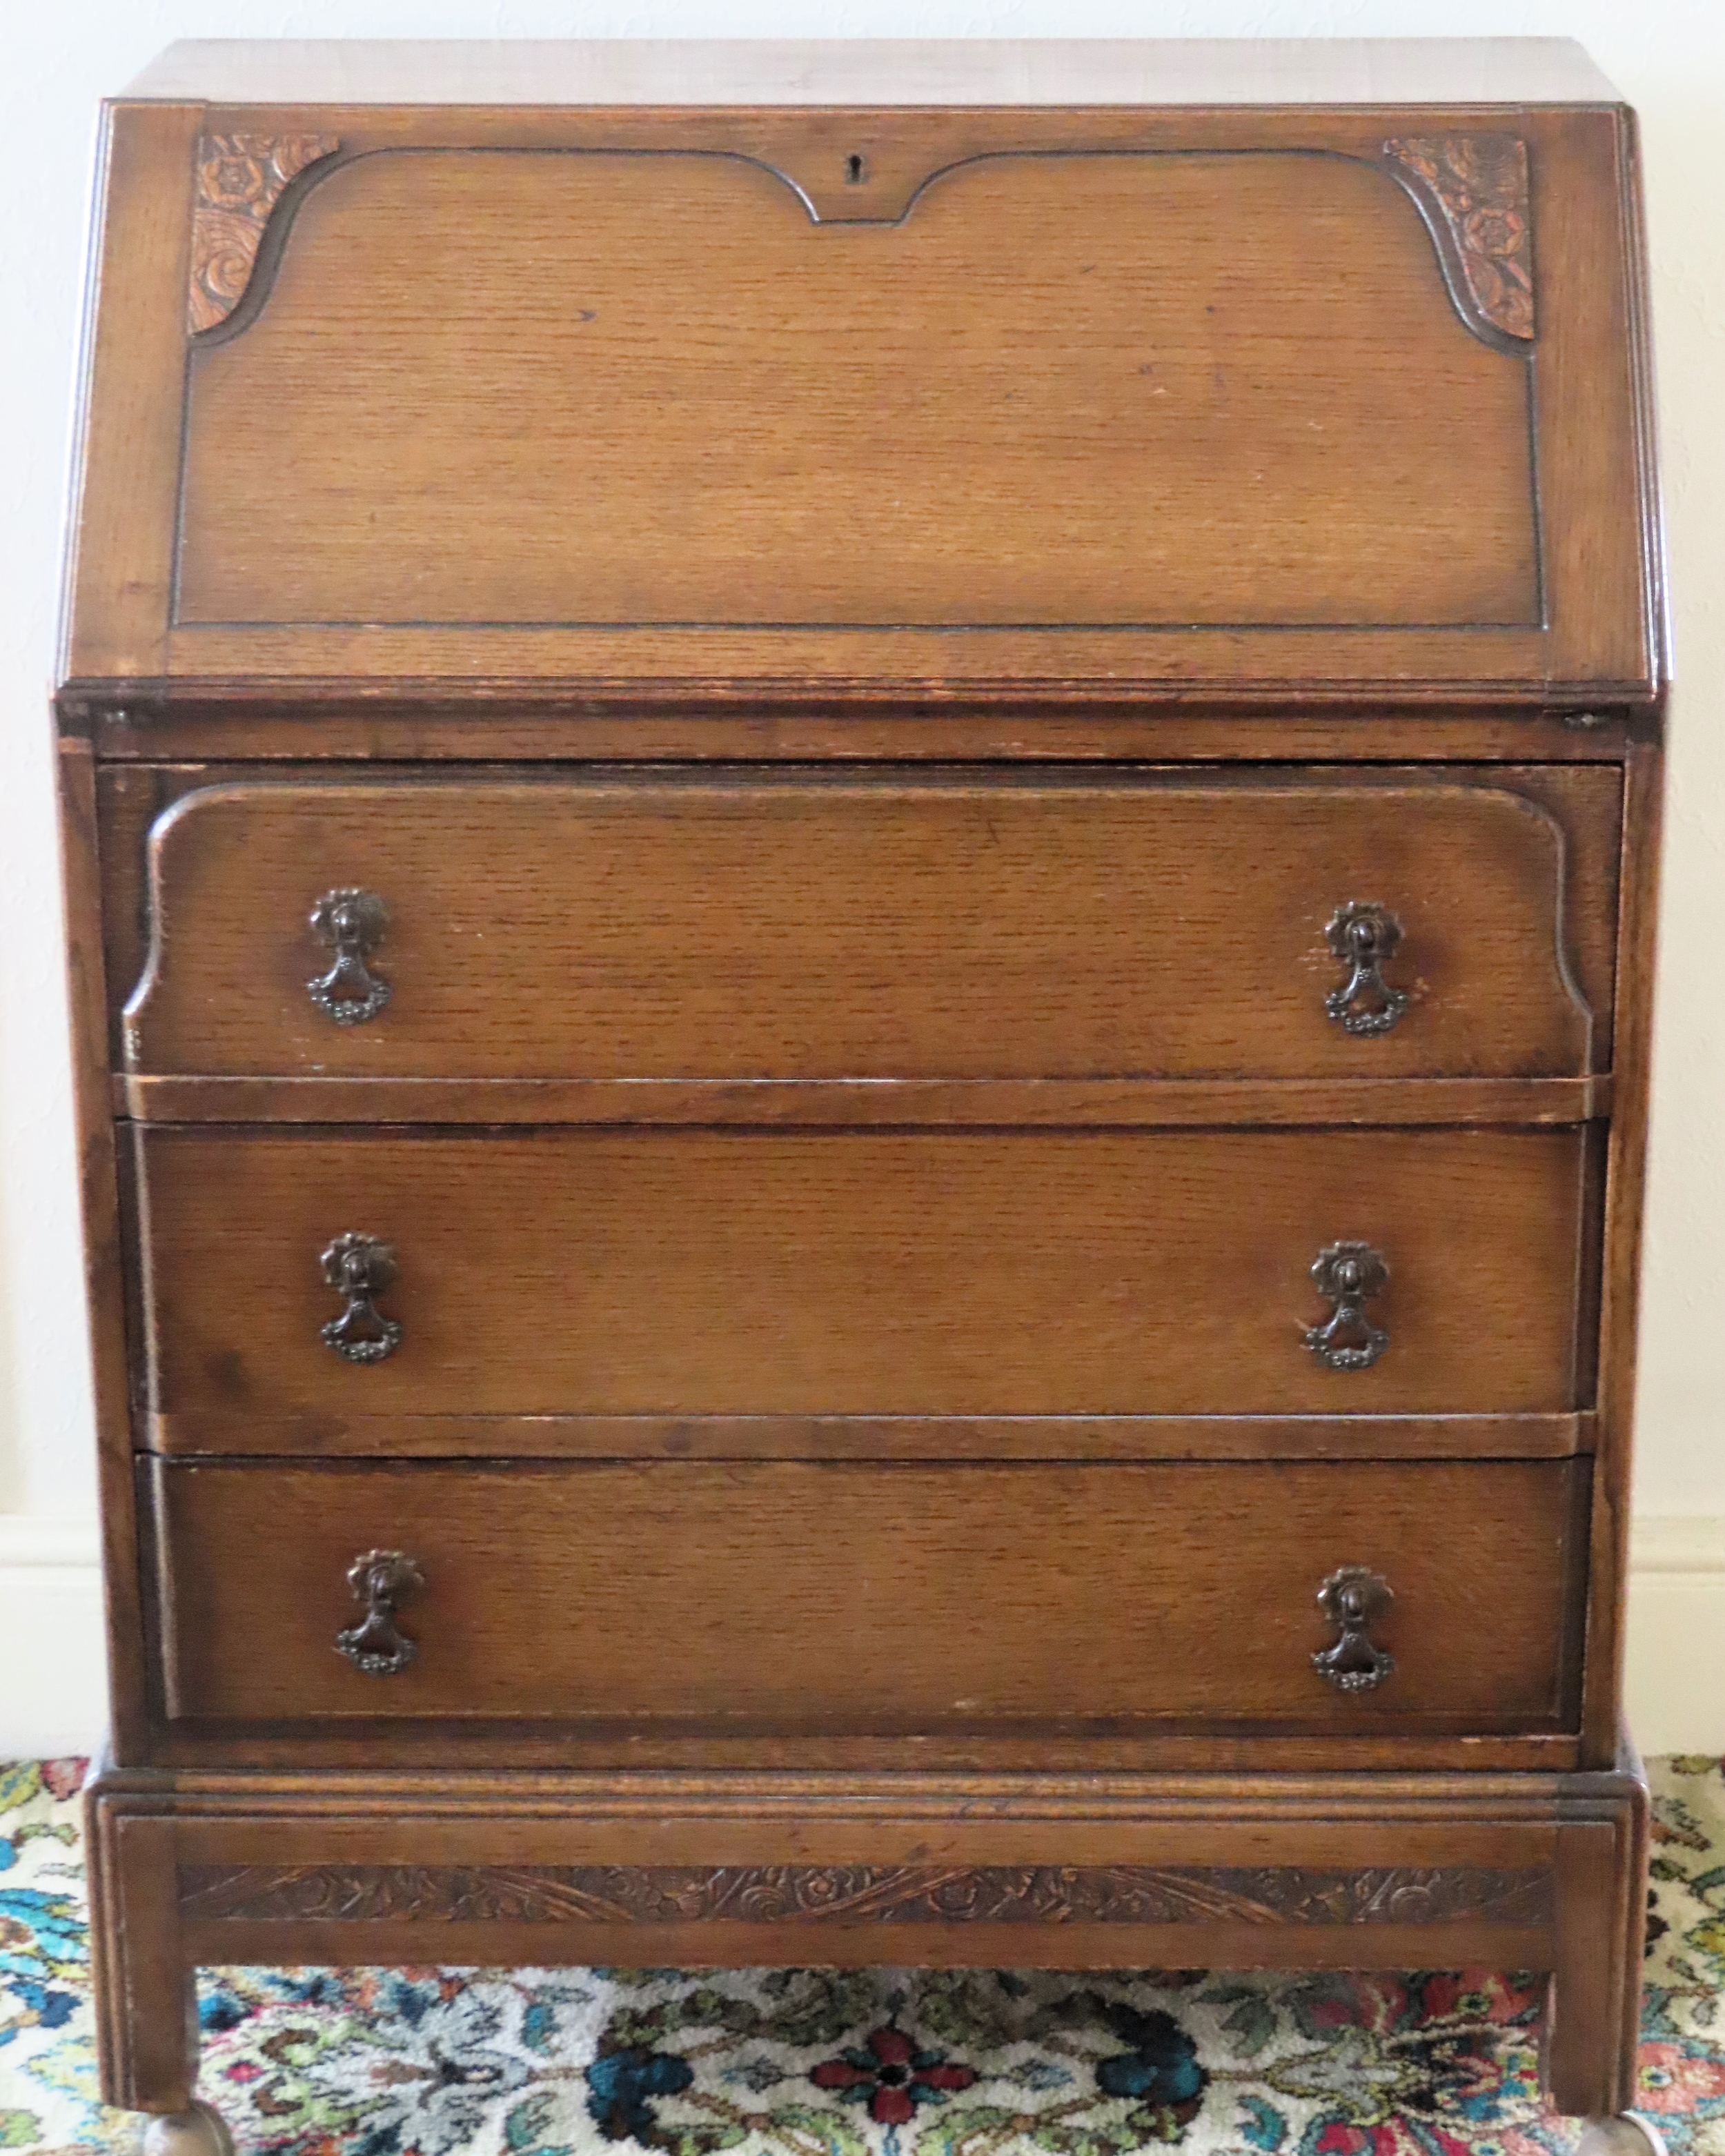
[
  {"x": 1473, "y": 189},
  {"x": 240, "y": 180}
]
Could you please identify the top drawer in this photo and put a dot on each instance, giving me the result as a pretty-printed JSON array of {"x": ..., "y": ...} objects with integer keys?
[{"x": 811, "y": 927}]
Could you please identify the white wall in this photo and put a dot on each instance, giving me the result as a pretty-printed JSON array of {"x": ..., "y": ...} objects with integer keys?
[{"x": 1668, "y": 57}]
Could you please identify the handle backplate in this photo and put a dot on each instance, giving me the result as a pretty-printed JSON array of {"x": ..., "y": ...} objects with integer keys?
[
  {"x": 1348, "y": 1274},
  {"x": 1351, "y": 1599},
  {"x": 1362, "y": 934},
  {"x": 381, "y": 1580},
  {"x": 359, "y": 1268},
  {"x": 351, "y": 923}
]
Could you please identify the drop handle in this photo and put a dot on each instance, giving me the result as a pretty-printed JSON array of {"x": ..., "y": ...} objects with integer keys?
[
  {"x": 1348, "y": 1276},
  {"x": 1363, "y": 936},
  {"x": 359, "y": 1268},
  {"x": 382, "y": 1580},
  {"x": 1352, "y": 1599},
  {"x": 351, "y": 923}
]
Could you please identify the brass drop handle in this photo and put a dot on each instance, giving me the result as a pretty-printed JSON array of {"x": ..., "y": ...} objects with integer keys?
[
  {"x": 382, "y": 1580},
  {"x": 1348, "y": 1274},
  {"x": 1362, "y": 936},
  {"x": 1352, "y": 1599},
  {"x": 359, "y": 1268},
  {"x": 351, "y": 923}
]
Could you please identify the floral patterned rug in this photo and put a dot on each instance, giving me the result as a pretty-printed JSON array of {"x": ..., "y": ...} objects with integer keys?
[{"x": 811, "y": 2063}]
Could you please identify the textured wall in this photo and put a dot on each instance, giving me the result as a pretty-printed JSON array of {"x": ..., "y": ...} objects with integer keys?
[{"x": 1668, "y": 56}]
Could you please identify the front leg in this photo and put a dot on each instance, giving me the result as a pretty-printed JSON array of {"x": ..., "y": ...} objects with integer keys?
[
  {"x": 1593, "y": 2019},
  {"x": 146, "y": 2005}
]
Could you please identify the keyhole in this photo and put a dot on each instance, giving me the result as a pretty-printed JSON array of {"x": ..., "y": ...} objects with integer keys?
[{"x": 856, "y": 169}]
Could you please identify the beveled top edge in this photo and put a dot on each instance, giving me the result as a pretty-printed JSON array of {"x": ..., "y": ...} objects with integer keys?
[{"x": 876, "y": 72}]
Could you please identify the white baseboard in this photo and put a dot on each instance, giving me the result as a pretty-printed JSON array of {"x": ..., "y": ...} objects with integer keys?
[
  {"x": 1675, "y": 1676},
  {"x": 53, "y": 1684},
  {"x": 53, "y": 1678}
]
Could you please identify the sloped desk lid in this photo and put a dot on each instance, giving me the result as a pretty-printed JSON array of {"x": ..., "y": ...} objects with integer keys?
[{"x": 655, "y": 398}]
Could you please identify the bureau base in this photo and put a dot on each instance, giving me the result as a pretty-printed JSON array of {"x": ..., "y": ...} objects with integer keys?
[{"x": 1370, "y": 1871}]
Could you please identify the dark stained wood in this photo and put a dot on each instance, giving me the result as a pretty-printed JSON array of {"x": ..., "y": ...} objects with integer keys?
[
  {"x": 1242, "y": 1749},
  {"x": 1600, "y": 635},
  {"x": 799, "y": 928},
  {"x": 1157, "y": 1103},
  {"x": 1303, "y": 1815},
  {"x": 104, "y": 1255},
  {"x": 1594, "y": 466},
  {"x": 1620, "y": 1269},
  {"x": 1473, "y": 187},
  {"x": 1584, "y": 801},
  {"x": 126, "y": 457},
  {"x": 218, "y": 1431},
  {"x": 146, "y": 2006},
  {"x": 864, "y": 1912},
  {"x": 1593, "y": 2027},
  {"x": 700, "y": 1946},
  {"x": 410, "y": 722},
  {"x": 1436, "y": 1821},
  {"x": 1159, "y": 310},
  {"x": 863, "y": 1272},
  {"x": 241, "y": 179},
  {"x": 1590, "y": 815},
  {"x": 782, "y": 1597},
  {"x": 853, "y": 1116}
]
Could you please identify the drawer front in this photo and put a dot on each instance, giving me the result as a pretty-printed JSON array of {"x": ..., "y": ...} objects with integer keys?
[
  {"x": 785, "y": 1596},
  {"x": 860, "y": 1272},
  {"x": 787, "y": 928}
]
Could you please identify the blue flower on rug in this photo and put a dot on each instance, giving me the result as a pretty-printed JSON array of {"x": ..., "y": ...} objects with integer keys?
[
  {"x": 42, "y": 1952},
  {"x": 622, "y": 2085},
  {"x": 1161, "y": 2070}
]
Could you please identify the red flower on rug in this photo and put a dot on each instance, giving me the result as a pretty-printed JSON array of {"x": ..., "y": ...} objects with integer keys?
[
  {"x": 1677, "y": 2077},
  {"x": 1393, "y": 2137},
  {"x": 892, "y": 2077},
  {"x": 63, "y": 1778},
  {"x": 1476, "y": 1995}
]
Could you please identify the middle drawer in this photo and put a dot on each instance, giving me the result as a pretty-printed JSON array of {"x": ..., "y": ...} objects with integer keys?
[{"x": 861, "y": 1273}]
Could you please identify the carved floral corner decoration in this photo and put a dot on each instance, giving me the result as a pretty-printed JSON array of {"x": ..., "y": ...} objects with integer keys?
[
  {"x": 240, "y": 179},
  {"x": 1473, "y": 189}
]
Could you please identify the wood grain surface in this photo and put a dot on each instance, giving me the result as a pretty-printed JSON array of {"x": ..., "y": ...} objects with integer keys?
[
  {"x": 1064, "y": 1103},
  {"x": 1620, "y": 1256},
  {"x": 785, "y": 1595},
  {"x": 811, "y": 435},
  {"x": 216, "y": 1431},
  {"x": 1387, "y": 470},
  {"x": 807, "y": 927},
  {"x": 313, "y": 1831},
  {"x": 854, "y": 1197},
  {"x": 863, "y": 1272}
]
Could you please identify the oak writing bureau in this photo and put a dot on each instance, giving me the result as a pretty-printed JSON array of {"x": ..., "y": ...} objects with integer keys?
[{"x": 860, "y": 846}]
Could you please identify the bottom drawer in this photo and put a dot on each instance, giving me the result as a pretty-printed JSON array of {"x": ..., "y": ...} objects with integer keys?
[{"x": 845, "y": 1598}]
